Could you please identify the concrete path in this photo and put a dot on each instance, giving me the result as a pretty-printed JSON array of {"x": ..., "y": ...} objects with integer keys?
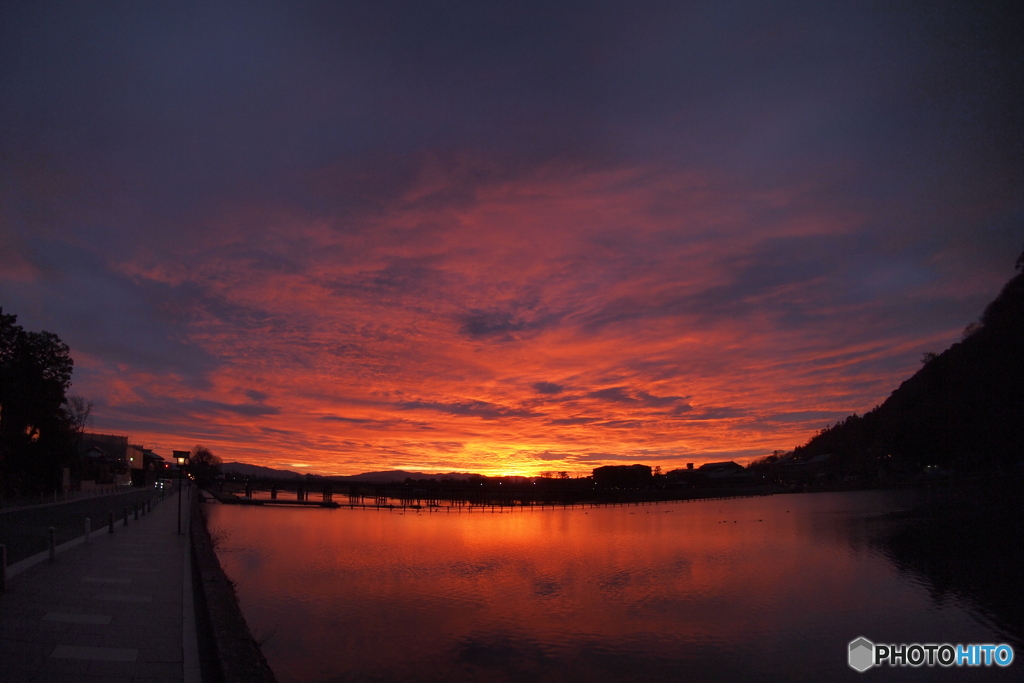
[{"x": 116, "y": 609}]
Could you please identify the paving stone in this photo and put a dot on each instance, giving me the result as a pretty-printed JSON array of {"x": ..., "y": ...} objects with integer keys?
[
  {"x": 123, "y": 597},
  {"x": 155, "y": 669},
  {"x": 96, "y": 619},
  {"x": 106, "y": 611},
  {"x": 96, "y": 653},
  {"x": 66, "y": 678},
  {"x": 77, "y": 667}
]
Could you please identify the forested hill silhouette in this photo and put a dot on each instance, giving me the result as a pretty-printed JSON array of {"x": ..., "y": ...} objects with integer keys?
[{"x": 964, "y": 410}]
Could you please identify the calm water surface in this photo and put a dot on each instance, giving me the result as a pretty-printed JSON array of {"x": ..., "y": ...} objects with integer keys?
[{"x": 755, "y": 589}]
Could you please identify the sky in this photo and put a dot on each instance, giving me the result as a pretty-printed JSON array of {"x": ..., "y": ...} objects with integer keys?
[{"x": 503, "y": 238}]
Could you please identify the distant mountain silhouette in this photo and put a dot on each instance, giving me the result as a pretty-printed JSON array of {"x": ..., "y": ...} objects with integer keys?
[
  {"x": 245, "y": 470},
  {"x": 963, "y": 410},
  {"x": 387, "y": 476},
  {"x": 402, "y": 475}
]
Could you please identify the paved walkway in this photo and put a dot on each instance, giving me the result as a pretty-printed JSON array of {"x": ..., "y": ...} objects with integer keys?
[{"x": 116, "y": 609}]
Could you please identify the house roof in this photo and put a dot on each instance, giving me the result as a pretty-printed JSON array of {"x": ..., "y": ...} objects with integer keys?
[{"x": 730, "y": 465}]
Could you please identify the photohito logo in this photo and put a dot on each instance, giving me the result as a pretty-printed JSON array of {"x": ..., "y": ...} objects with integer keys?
[{"x": 863, "y": 654}]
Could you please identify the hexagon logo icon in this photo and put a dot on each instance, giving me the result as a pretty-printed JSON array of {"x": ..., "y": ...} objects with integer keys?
[{"x": 862, "y": 654}]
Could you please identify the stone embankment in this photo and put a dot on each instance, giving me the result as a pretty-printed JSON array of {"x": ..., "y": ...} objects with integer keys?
[{"x": 228, "y": 651}]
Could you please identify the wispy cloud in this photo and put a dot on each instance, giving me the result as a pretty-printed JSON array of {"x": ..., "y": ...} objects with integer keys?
[
  {"x": 444, "y": 245},
  {"x": 481, "y": 409}
]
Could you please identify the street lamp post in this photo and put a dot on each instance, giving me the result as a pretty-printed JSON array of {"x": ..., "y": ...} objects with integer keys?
[{"x": 182, "y": 458}]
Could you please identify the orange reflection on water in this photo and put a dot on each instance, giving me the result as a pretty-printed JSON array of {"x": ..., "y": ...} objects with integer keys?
[{"x": 599, "y": 592}]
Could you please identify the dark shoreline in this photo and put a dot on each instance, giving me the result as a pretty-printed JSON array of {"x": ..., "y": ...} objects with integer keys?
[{"x": 965, "y": 542}]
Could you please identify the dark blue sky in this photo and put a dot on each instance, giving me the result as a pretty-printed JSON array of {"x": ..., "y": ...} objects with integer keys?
[{"x": 371, "y": 230}]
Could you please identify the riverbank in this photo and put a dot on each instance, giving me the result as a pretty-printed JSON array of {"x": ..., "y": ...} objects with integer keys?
[{"x": 228, "y": 652}]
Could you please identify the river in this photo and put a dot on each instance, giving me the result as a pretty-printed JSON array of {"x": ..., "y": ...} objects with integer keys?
[{"x": 753, "y": 589}]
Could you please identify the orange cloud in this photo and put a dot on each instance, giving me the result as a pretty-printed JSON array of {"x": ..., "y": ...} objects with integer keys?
[{"x": 559, "y": 322}]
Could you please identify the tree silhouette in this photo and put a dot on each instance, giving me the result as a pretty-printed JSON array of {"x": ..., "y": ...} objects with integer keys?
[
  {"x": 961, "y": 411},
  {"x": 35, "y": 432},
  {"x": 203, "y": 465}
]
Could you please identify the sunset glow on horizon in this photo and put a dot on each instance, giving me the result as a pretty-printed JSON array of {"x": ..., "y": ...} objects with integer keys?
[{"x": 520, "y": 244}]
